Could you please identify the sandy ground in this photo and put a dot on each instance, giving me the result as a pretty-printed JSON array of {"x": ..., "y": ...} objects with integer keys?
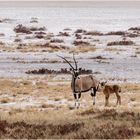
[
  {"x": 44, "y": 105},
  {"x": 41, "y": 107},
  {"x": 46, "y": 93}
]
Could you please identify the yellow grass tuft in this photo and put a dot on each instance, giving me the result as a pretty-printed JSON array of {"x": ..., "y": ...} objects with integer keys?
[
  {"x": 83, "y": 48},
  {"x": 113, "y": 49}
]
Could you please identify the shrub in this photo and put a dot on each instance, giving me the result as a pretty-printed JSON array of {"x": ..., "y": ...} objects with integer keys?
[
  {"x": 80, "y": 42},
  {"x": 123, "y": 42},
  {"x": 116, "y": 33},
  {"x": 94, "y": 33}
]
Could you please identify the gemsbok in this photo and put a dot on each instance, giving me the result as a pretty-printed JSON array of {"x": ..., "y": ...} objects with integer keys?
[
  {"x": 81, "y": 83},
  {"x": 109, "y": 89}
]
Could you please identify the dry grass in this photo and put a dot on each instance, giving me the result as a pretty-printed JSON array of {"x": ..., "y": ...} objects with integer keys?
[
  {"x": 113, "y": 49},
  {"x": 83, "y": 48},
  {"x": 80, "y": 124},
  {"x": 48, "y": 47},
  {"x": 5, "y": 100},
  {"x": 47, "y": 106},
  {"x": 63, "y": 121}
]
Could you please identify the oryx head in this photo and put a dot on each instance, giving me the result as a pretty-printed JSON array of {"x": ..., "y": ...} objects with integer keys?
[
  {"x": 103, "y": 83},
  {"x": 75, "y": 70}
]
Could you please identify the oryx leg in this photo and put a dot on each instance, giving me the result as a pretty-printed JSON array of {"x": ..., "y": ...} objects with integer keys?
[
  {"x": 77, "y": 96},
  {"x": 93, "y": 94},
  {"x": 118, "y": 99},
  {"x": 106, "y": 99}
]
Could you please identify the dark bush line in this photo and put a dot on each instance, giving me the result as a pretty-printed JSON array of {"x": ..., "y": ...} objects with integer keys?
[
  {"x": 38, "y": 29},
  {"x": 134, "y": 28},
  {"x": 2, "y": 34},
  {"x": 123, "y": 42},
  {"x": 80, "y": 31},
  {"x": 22, "y": 29},
  {"x": 28, "y": 30},
  {"x": 64, "y": 129},
  {"x": 55, "y": 40},
  {"x": 80, "y": 42},
  {"x": 116, "y": 33},
  {"x": 132, "y": 35},
  {"x": 23, "y": 130},
  {"x": 94, "y": 33},
  {"x": 112, "y": 113},
  {"x": 78, "y": 36},
  {"x": 62, "y": 71},
  {"x": 63, "y": 34},
  {"x": 40, "y": 33},
  {"x": 109, "y": 129},
  {"x": 99, "y": 57},
  {"x": 47, "y": 71}
]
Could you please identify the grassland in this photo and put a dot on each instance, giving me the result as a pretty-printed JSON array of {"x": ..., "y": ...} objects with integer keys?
[{"x": 49, "y": 117}]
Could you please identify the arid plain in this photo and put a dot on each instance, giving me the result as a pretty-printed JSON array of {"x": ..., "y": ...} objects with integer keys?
[{"x": 36, "y": 100}]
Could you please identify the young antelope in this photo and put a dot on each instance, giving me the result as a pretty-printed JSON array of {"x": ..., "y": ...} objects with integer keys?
[{"x": 109, "y": 89}]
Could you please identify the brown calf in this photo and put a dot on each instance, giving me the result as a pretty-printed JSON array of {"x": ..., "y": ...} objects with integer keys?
[{"x": 109, "y": 89}]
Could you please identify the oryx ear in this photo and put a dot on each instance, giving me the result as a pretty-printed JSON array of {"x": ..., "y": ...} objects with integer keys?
[
  {"x": 70, "y": 69},
  {"x": 105, "y": 82},
  {"x": 102, "y": 83},
  {"x": 80, "y": 69}
]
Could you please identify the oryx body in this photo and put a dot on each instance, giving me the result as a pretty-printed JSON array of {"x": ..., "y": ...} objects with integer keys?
[{"x": 82, "y": 83}]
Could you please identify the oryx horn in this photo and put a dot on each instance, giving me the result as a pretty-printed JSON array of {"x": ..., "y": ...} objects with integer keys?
[
  {"x": 75, "y": 61},
  {"x": 66, "y": 61}
]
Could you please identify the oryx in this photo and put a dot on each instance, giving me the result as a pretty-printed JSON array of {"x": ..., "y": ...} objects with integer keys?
[{"x": 81, "y": 83}]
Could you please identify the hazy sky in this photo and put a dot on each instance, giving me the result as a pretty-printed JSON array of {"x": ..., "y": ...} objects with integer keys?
[
  {"x": 70, "y": 3},
  {"x": 70, "y": 0}
]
